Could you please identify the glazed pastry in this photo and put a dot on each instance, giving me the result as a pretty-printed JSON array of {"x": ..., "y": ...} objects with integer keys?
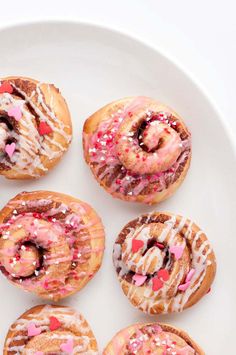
[
  {"x": 50, "y": 330},
  {"x": 164, "y": 262},
  {"x": 153, "y": 339},
  {"x": 138, "y": 149},
  {"x": 51, "y": 244},
  {"x": 35, "y": 127}
]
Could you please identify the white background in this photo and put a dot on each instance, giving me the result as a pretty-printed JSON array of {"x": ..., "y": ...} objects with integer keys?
[{"x": 199, "y": 35}]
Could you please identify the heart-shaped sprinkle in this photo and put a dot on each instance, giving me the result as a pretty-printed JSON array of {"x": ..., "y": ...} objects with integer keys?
[
  {"x": 33, "y": 330},
  {"x": 68, "y": 346},
  {"x": 184, "y": 286},
  {"x": 209, "y": 290},
  {"x": 177, "y": 251},
  {"x": 44, "y": 129},
  {"x": 159, "y": 245},
  {"x": 190, "y": 275},
  {"x": 139, "y": 279},
  {"x": 136, "y": 245},
  {"x": 6, "y": 87},
  {"x": 156, "y": 284},
  {"x": 54, "y": 323},
  {"x": 38, "y": 353},
  {"x": 163, "y": 274},
  {"x": 10, "y": 148},
  {"x": 15, "y": 112}
]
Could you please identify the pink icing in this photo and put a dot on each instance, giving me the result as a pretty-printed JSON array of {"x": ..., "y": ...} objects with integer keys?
[
  {"x": 106, "y": 150},
  {"x": 16, "y": 258}
]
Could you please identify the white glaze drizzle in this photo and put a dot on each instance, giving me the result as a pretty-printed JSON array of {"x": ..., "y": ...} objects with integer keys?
[
  {"x": 199, "y": 262},
  {"x": 30, "y": 146}
]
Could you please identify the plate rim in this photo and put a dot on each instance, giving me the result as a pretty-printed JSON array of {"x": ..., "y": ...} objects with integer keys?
[{"x": 146, "y": 43}]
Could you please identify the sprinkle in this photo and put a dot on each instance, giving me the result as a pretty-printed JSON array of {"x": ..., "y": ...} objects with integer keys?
[
  {"x": 34, "y": 263},
  {"x": 68, "y": 346},
  {"x": 54, "y": 323},
  {"x": 6, "y": 87},
  {"x": 36, "y": 272},
  {"x": 23, "y": 203},
  {"x": 44, "y": 129},
  {"x": 33, "y": 330},
  {"x": 139, "y": 279},
  {"x": 190, "y": 275},
  {"x": 163, "y": 274},
  {"x": 15, "y": 212},
  {"x": 136, "y": 245},
  {"x": 177, "y": 251},
  {"x": 209, "y": 290},
  {"x": 160, "y": 246},
  {"x": 156, "y": 284},
  {"x": 184, "y": 286},
  {"x": 10, "y": 149},
  {"x": 15, "y": 112}
]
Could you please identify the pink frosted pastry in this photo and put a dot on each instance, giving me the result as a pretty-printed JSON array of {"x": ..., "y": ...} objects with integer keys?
[
  {"x": 153, "y": 339},
  {"x": 138, "y": 149},
  {"x": 50, "y": 243}
]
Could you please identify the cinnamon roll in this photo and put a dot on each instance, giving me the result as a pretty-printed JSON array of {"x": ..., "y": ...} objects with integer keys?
[
  {"x": 50, "y": 330},
  {"x": 35, "y": 127},
  {"x": 138, "y": 149},
  {"x": 50, "y": 244},
  {"x": 164, "y": 262},
  {"x": 153, "y": 339}
]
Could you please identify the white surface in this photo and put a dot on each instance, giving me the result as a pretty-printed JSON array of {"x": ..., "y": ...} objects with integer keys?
[
  {"x": 200, "y": 35},
  {"x": 93, "y": 66}
]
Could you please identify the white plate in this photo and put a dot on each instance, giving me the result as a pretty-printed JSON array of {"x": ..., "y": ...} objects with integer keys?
[{"x": 93, "y": 66}]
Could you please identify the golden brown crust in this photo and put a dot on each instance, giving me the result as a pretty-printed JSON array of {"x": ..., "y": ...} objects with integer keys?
[
  {"x": 39, "y": 103},
  {"x": 77, "y": 242},
  {"x": 187, "y": 276},
  {"x": 122, "y": 341},
  {"x": 137, "y": 108},
  {"x": 67, "y": 324}
]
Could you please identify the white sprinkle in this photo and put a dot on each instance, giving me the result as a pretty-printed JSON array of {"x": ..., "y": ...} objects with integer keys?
[
  {"x": 23, "y": 203},
  {"x": 15, "y": 212},
  {"x": 36, "y": 272},
  {"x": 79, "y": 255},
  {"x": 34, "y": 262}
]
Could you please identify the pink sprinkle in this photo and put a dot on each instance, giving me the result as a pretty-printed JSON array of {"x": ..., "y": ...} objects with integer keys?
[
  {"x": 68, "y": 346},
  {"x": 190, "y": 275},
  {"x": 139, "y": 279},
  {"x": 184, "y": 287},
  {"x": 15, "y": 112},
  {"x": 33, "y": 330},
  {"x": 177, "y": 251},
  {"x": 10, "y": 148}
]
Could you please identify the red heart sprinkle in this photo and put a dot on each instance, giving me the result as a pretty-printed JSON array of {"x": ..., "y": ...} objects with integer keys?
[
  {"x": 6, "y": 87},
  {"x": 163, "y": 274},
  {"x": 160, "y": 246},
  {"x": 156, "y": 284},
  {"x": 54, "y": 323},
  {"x": 136, "y": 245},
  {"x": 44, "y": 128}
]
